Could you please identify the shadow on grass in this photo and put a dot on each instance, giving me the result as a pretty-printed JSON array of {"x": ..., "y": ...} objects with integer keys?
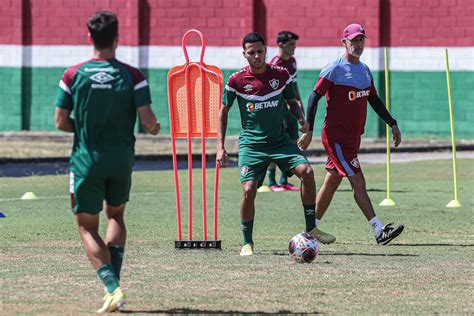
[
  {"x": 208, "y": 312},
  {"x": 432, "y": 245},
  {"x": 374, "y": 190},
  {"x": 364, "y": 254},
  {"x": 275, "y": 253}
]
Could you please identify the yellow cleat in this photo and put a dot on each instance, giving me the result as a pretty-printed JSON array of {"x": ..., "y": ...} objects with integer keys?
[
  {"x": 113, "y": 301},
  {"x": 247, "y": 250},
  {"x": 264, "y": 188},
  {"x": 322, "y": 237}
]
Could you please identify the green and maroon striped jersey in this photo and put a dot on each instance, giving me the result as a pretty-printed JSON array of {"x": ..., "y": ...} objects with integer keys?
[
  {"x": 104, "y": 96},
  {"x": 261, "y": 100}
]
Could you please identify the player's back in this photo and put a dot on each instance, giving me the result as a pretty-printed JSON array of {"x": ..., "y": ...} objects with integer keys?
[{"x": 102, "y": 94}]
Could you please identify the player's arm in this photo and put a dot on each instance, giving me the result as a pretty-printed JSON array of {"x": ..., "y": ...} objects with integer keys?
[
  {"x": 148, "y": 120},
  {"x": 295, "y": 109},
  {"x": 298, "y": 96},
  {"x": 312, "y": 107},
  {"x": 379, "y": 108},
  {"x": 289, "y": 94},
  {"x": 221, "y": 156},
  {"x": 63, "y": 120}
]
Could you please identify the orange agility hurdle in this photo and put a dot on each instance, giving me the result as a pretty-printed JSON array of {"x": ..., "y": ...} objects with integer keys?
[{"x": 194, "y": 100}]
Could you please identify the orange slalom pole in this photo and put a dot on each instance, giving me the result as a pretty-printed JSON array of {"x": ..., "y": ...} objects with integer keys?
[
  {"x": 203, "y": 152},
  {"x": 190, "y": 156},
  {"x": 175, "y": 169}
]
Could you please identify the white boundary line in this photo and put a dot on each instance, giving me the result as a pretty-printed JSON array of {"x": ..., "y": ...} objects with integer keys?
[{"x": 230, "y": 57}]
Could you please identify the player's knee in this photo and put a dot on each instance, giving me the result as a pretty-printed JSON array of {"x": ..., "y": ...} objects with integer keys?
[
  {"x": 115, "y": 212},
  {"x": 249, "y": 193},
  {"x": 358, "y": 183},
  {"x": 307, "y": 174},
  {"x": 334, "y": 181}
]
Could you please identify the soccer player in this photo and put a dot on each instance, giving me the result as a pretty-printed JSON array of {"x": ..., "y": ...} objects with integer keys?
[
  {"x": 286, "y": 42},
  {"x": 348, "y": 84},
  {"x": 262, "y": 91},
  {"x": 104, "y": 95}
]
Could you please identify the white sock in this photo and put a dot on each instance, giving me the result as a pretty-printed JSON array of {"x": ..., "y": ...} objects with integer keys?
[
  {"x": 376, "y": 225},
  {"x": 318, "y": 222}
]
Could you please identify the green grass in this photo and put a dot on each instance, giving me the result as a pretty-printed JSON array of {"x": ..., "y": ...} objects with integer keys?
[{"x": 428, "y": 269}]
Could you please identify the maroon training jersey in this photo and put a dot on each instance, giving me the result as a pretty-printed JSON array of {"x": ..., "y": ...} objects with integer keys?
[
  {"x": 346, "y": 87},
  {"x": 289, "y": 64}
]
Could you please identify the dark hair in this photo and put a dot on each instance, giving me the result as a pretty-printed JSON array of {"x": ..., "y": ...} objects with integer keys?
[
  {"x": 285, "y": 36},
  {"x": 252, "y": 37},
  {"x": 103, "y": 27}
]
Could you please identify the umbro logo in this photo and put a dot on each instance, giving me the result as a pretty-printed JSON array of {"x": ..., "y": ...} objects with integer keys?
[
  {"x": 348, "y": 75},
  {"x": 248, "y": 87},
  {"x": 101, "y": 77}
]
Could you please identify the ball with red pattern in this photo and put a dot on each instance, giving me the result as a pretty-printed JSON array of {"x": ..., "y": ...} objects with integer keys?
[{"x": 303, "y": 248}]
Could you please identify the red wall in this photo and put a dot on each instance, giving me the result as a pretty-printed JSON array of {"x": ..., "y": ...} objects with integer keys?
[
  {"x": 224, "y": 22},
  {"x": 321, "y": 22},
  {"x": 432, "y": 23}
]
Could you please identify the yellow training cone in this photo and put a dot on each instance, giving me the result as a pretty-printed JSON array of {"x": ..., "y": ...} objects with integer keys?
[
  {"x": 454, "y": 203},
  {"x": 387, "y": 202},
  {"x": 29, "y": 196}
]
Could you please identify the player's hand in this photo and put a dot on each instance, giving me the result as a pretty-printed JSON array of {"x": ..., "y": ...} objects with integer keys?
[
  {"x": 305, "y": 140},
  {"x": 156, "y": 130},
  {"x": 304, "y": 127},
  {"x": 397, "y": 136},
  {"x": 222, "y": 158}
]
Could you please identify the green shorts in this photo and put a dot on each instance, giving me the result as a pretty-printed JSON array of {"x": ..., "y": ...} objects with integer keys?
[
  {"x": 90, "y": 189},
  {"x": 254, "y": 162},
  {"x": 291, "y": 126}
]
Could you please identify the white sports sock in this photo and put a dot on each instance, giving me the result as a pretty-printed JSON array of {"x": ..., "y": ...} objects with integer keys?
[
  {"x": 376, "y": 225},
  {"x": 318, "y": 222}
]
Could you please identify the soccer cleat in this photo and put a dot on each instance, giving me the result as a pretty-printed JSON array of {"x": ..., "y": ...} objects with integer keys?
[
  {"x": 289, "y": 187},
  {"x": 322, "y": 237},
  {"x": 388, "y": 234},
  {"x": 247, "y": 250},
  {"x": 264, "y": 188},
  {"x": 277, "y": 188},
  {"x": 113, "y": 301}
]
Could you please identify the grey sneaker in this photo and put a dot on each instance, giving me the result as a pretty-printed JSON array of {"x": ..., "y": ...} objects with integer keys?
[
  {"x": 322, "y": 237},
  {"x": 388, "y": 234}
]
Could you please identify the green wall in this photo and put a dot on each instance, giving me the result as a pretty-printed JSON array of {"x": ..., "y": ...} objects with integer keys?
[
  {"x": 10, "y": 99},
  {"x": 418, "y": 101}
]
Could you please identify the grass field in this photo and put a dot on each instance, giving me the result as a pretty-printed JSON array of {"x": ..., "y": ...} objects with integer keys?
[{"x": 428, "y": 269}]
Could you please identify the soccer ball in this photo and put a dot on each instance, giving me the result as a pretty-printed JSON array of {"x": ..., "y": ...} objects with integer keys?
[{"x": 303, "y": 248}]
